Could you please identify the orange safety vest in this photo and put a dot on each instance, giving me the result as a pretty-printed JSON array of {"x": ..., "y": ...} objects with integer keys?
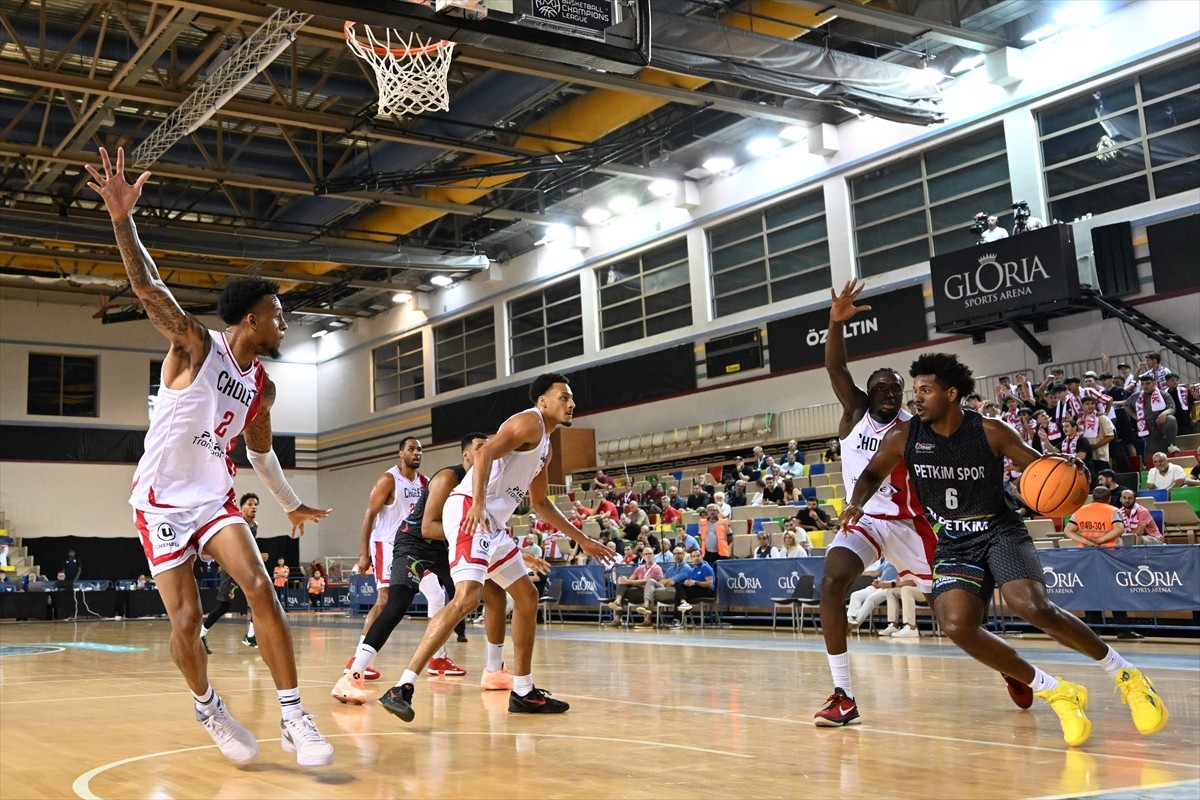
[
  {"x": 281, "y": 576},
  {"x": 1095, "y": 520},
  {"x": 722, "y": 537}
]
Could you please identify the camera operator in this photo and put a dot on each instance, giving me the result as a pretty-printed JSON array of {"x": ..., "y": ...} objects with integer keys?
[
  {"x": 986, "y": 229},
  {"x": 1022, "y": 217}
]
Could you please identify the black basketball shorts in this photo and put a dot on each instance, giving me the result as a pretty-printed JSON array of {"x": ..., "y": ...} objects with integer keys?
[{"x": 981, "y": 562}]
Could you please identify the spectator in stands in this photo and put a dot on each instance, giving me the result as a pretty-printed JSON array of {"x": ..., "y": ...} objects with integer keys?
[
  {"x": 3, "y": 554},
  {"x": 670, "y": 514},
  {"x": 792, "y": 496},
  {"x": 833, "y": 452},
  {"x": 608, "y": 538},
  {"x": 1129, "y": 379},
  {"x": 1004, "y": 389},
  {"x": 700, "y": 584},
  {"x": 1108, "y": 479},
  {"x": 316, "y": 591},
  {"x": 741, "y": 470},
  {"x": 604, "y": 508},
  {"x": 795, "y": 541},
  {"x": 1093, "y": 388},
  {"x": 665, "y": 548},
  {"x": 791, "y": 467},
  {"x": 34, "y": 582},
  {"x": 911, "y": 407},
  {"x": 991, "y": 410},
  {"x": 867, "y": 599},
  {"x": 716, "y": 536},
  {"x": 1153, "y": 415},
  {"x": 1024, "y": 389},
  {"x": 1096, "y": 524},
  {"x": 903, "y": 592},
  {"x": 1183, "y": 404},
  {"x": 280, "y": 578},
  {"x": 674, "y": 499},
  {"x": 633, "y": 520},
  {"x": 739, "y": 497},
  {"x": 1137, "y": 520},
  {"x": 1053, "y": 376},
  {"x": 1075, "y": 444},
  {"x": 1193, "y": 478},
  {"x": 684, "y": 540},
  {"x": 1153, "y": 365},
  {"x": 764, "y": 549},
  {"x": 633, "y": 588},
  {"x": 603, "y": 481},
  {"x": 654, "y": 493},
  {"x": 1048, "y": 432},
  {"x": 143, "y": 582},
  {"x": 770, "y": 493},
  {"x": 723, "y": 508},
  {"x": 973, "y": 401},
  {"x": 812, "y": 518},
  {"x": 759, "y": 459},
  {"x": 646, "y": 538},
  {"x": 1066, "y": 404},
  {"x": 793, "y": 448},
  {"x": 665, "y": 591},
  {"x": 62, "y": 583},
  {"x": 1098, "y": 430},
  {"x": 72, "y": 567},
  {"x": 533, "y": 546},
  {"x": 1165, "y": 475},
  {"x": 579, "y": 559},
  {"x": 698, "y": 499}
]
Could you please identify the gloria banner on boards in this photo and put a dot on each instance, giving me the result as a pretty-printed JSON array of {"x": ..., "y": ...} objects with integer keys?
[
  {"x": 1001, "y": 280},
  {"x": 582, "y": 586},
  {"x": 1124, "y": 578},
  {"x": 752, "y": 582},
  {"x": 896, "y": 319}
]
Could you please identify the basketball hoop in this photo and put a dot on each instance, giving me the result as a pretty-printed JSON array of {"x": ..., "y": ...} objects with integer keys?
[{"x": 411, "y": 71}]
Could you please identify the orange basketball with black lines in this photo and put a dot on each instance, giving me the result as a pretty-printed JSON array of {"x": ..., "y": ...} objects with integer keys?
[{"x": 1054, "y": 487}]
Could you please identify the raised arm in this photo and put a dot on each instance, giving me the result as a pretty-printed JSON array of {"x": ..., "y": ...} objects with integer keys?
[
  {"x": 266, "y": 465},
  {"x": 187, "y": 335},
  {"x": 853, "y": 399},
  {"x": 891, "y": 450}
]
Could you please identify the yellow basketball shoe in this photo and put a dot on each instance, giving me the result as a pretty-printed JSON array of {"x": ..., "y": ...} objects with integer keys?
[
  {"x": 1145, "y": 706},
  {"x": 1069, "y": 701}
]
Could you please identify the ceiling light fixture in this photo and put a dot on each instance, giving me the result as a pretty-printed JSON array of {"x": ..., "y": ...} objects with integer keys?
[
  {"x": 718, "y": 164},
  {"x": 662, "y": 187},
  {"x": 596, "y": 215},
  {"x": 623, "y": 204},
  {"x": 402, "y": 297},
  {"x": 967, "y": 64},
  {"x": 761, "y": 146},
  {"x": 320, "y": 333},
  {"x": 1044, "y": 32},
  {"x": 441, "y": 280},
  {"x": 794, "y": 133}
]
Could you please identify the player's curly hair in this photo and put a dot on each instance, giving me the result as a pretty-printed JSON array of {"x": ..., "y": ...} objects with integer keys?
[
  {"x": 947, "y": 369},
  {"x": 247, "y": 496},
  {"x": 240, "y": 296},
  {"x": 542, "y": 383}
]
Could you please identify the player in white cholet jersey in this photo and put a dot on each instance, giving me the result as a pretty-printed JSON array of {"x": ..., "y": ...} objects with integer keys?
[
  {"x": 895, "y": 528},
  {"x": 213, "y": 389},
  {"x": 506, "y": 468}
]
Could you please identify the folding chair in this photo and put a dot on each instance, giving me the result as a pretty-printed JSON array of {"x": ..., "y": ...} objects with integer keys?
[
  {"x": 802, "y": 597},
  {"x": 552, "y": 602}
]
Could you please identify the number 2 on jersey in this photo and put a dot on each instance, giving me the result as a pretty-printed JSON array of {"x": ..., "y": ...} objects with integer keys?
[{"x": 224, "y": 425}]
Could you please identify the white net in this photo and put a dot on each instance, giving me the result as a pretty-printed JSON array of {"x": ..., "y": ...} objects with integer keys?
[{"x": 410, "y": 70}]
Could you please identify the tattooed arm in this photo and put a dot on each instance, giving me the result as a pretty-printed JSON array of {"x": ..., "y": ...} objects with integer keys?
[{"x": 187, "y": 335}]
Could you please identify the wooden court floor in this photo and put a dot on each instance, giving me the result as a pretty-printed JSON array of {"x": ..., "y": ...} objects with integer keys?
[{"x": 656, "y": 714}]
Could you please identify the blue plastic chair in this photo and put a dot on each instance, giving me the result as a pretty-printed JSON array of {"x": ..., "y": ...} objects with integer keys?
[
  {"x": 816, "y": 469},
  {"x": 1159, "y": 495},
  {"x": 1157, "y": 516}
]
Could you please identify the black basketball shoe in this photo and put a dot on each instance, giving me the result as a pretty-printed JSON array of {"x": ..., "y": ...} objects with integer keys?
[
  {"x": 536, "y": 702},
  {"x": 398, "y": 700}
]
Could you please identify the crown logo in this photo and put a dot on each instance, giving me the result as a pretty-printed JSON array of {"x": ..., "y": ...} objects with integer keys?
[{"x": 986, "y": 257}]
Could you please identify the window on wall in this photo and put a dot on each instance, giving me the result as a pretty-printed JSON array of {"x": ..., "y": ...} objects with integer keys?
[
  {"x": 399, "y": 372},
  {"x": 770, "y": 255},
  {"x": 909, "y": 210},
  {"x": 546, "y": 326},
  {"x": 61, "y": 386},
  {"x": 645, "y": 295},
  {"x": 1130, "y": 141},
  {"x": 465, "y": 351}
]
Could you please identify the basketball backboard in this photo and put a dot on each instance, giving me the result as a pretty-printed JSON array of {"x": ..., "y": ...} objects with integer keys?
[{"x": 606, "y": 35}]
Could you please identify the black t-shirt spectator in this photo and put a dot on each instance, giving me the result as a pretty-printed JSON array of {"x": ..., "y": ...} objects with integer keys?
[
  {"x": 71, "y": 566},
  {"x": 806, "y": 521},
  {"x": 697, "y": 500},
  {"x": 773, "y": 494},
  {"x": 736, "y": 499}
]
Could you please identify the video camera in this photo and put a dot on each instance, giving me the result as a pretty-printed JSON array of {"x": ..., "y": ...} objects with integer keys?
[
  {"x": 980, "y": 224},
  {"x": 1021, "y": 215}
]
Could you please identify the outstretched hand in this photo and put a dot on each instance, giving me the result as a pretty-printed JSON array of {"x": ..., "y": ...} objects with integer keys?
[
  {"x": 843, "y": 307},
  {"x": 305, "y": 514},
  {"x": 119, "y": 195}
]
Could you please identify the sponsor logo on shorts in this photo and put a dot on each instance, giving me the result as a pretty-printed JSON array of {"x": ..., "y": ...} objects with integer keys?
[{"x": 164, "y": 533}]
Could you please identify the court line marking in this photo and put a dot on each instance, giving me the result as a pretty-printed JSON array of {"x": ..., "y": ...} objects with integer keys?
[
  {"x": 1103, "y": 792},
  {"x": 82, "y": 785},
  {"x": 884, "y": 731}
]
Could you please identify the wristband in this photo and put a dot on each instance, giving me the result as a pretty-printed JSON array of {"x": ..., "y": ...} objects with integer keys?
[{"x": 266, "y": 466}]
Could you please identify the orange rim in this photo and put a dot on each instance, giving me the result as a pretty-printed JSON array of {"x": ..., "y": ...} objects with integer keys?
[{"x": 399, "y": 52}]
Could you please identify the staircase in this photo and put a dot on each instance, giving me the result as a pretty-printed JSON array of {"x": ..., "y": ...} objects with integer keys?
[
  {"x": 1112, "y": 307},
  {"x": 20, "y": 563}
]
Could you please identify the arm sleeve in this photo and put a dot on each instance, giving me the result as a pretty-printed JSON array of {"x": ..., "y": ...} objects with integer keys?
[{"x": 266, "y": 466}]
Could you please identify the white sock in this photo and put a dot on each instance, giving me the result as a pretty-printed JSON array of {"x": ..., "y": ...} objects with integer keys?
[
  {"x": 441, "y": 653},
  {"x": 522, "y": 685},
  {"x": 203, "y": 631},
  {"x": 839, "y": 667},
  {"x": 1113, "y": 664},
  {"x": 495, "y": 657},
  {"x": 362, "y": 639},
  {"x": 289, "y": 703},
  {"x": 206, "y": 703},
  {"x": 1042, "y": 681},
  {"x": 250, "y": 630},
  {"x": 363, "y": 657},
  {"x": 408, "y": 677}
]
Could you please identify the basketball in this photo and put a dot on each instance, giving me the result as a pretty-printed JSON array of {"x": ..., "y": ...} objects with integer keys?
[{"x": 1054, "y": 487}]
